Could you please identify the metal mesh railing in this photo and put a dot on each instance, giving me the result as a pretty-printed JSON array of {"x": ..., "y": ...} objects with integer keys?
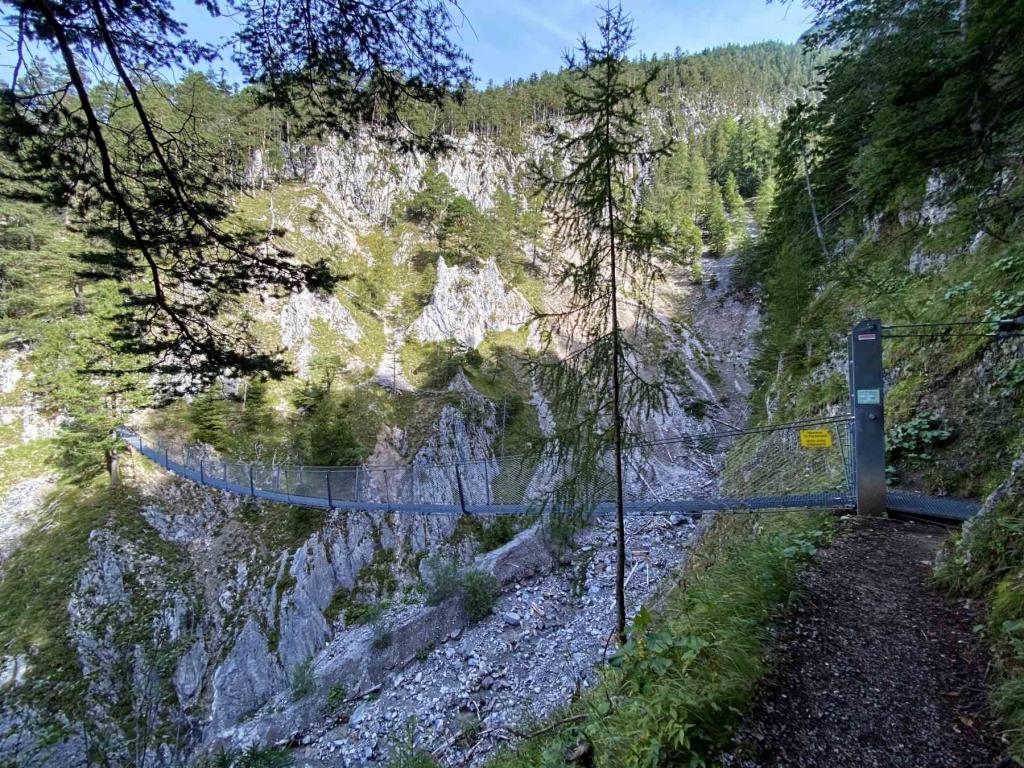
[{"x": 760, "y": 468}]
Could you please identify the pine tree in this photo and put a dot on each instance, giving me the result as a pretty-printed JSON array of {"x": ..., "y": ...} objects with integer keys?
[
  {"x": 716, "y": 223},
  {"x": 764, "y": 202},
  {"x": 597, "y": 390},
  {"x": 733, "y": 200}
]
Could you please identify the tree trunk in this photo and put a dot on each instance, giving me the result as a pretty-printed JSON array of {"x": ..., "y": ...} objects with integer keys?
[
  {"x": 810, "y": 196},
  {"x": 620, "y": 512},
  {"x": 113, "y": 459}
]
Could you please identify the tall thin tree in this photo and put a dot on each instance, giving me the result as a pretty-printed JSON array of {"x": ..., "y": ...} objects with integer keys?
[{"x": 608, "y": 273}]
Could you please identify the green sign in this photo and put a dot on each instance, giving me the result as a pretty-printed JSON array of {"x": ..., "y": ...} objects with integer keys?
[{"x": 869, "y": 396}]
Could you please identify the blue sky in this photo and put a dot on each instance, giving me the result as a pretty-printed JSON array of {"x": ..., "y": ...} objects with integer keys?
[{"x": 514, "y": 38}]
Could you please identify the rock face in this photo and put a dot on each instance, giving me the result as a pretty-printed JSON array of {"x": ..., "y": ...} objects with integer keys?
[
  {"x": 537, "y": 647},
  {"x": 250, "y": 674},
  {"x": 298, "y": 320},
  {"x": 469, "y": 303},
  {"x": 19, "y": 511},
  {"x": 367, "y": 176}
]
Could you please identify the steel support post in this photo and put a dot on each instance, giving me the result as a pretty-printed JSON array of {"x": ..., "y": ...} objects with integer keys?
[{"x": 867, "y": 403}]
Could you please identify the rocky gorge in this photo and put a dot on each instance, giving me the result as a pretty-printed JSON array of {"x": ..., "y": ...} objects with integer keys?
[{"x": 199, "y": 621}]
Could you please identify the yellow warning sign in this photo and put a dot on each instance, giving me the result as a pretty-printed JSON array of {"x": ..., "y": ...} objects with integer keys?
[{"x": 815, "y": 438}]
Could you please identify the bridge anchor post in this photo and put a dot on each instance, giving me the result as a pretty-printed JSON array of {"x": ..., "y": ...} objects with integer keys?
[{"x": 867, "y": 404}]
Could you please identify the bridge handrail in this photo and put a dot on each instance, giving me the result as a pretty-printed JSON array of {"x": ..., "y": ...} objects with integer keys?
[{"x": 766, "y": 476}]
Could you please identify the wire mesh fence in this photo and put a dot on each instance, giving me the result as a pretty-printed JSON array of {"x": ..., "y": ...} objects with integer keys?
[{"x": 762, "y": 468}]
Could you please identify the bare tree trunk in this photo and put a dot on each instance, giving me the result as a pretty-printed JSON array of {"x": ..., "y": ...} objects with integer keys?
[
  {"x": 810, "y": 197},
  {"x": 620, "y": 512},
  {"x": 113, "y": 460}
]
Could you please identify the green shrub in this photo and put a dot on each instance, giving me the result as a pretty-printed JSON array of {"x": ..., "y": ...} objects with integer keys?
[
  {"x": 480, "y": 592},
  {"x": 477, "y": 591},
  {"x": 363, "y": 613},
  {"x": 337, "y": 695},
  {"x": 986, "y": 559},
  {"x": 446, "y": 582},
  {"x": 912, "y": 441},
  {"x": 303, "y": 680},
  {"x": 253, "y": 757},
  {"x": 500, "y": 531}
]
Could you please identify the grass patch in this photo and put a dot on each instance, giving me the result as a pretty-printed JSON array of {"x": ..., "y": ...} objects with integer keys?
[
  {"x": 674, "y": 693},
  {"x": 303, "y": 680},
  {"x": 23, "y": 461},
  {"x": 986, "y": 560}
]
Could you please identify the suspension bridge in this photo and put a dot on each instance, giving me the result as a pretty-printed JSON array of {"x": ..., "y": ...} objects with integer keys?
[{"x": 836, "y": 462}]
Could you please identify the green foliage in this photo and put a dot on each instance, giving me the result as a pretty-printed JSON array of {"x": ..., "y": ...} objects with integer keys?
[
  {"x": 716, "y": 223},
  {"x": 253, "y": 757},
  {"x": 477, "y": 591},
  {"x": 445, "y": 580},
  {"x": 748, "y": 78},
  {"x": 501, "y": 530},
  {"x": 671, "y": 205},
  {"x": 325, "y": 435},
  {"x": 914, "y": 439},
  {"x": 480, "y": 591},
  {"x": 336, "y": 696},
  {"x": 596, "y": 217},
  {"x": 70, "y": 326},
  {"x": 209, "y": 416},
  {"x": 430, "y": 202},
  {"x": 733, "y": 201},
  {"x": 986, "y": 559},
  {"x": 765, "y": 201},
  {"x": 675, "y": 691},
  {"x": 364, "y": 613},
  {"x": 303, "y": 681}
]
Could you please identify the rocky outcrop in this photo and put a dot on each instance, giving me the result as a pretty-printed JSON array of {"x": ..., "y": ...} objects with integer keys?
[
  {"x": 360, "y": 658},
  {"x": 127, "y": 618},
  {"x": 20, "y": 510},
  {"x": 366, "y": 176},
  {"x": 538, "y": 648},
  {"x": 298, "y": 321},
  {"x": 248, "y": 676},
  {"x": 469, "y": 303}
]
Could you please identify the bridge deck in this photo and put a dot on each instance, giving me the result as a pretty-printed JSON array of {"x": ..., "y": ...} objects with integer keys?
[
  {"x": 831, "y": 500},
  {"x": 898, "y": 501}
]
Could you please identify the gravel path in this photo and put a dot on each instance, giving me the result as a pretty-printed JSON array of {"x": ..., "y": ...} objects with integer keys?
[{"x": 875, "y": 669}]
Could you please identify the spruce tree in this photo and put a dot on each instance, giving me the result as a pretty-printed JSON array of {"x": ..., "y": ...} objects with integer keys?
[
  {"x": 716, "y": 223},
  {"x": 597, "y": 389},
  {"x": 733, "y": 200}
]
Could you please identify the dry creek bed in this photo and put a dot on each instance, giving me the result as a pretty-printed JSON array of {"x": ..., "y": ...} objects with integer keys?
[{"x": 539, "y": 647}]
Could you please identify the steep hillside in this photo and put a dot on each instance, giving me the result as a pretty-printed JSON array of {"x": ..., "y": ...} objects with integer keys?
[
  {"x": 150, "y": 621},
  {"x": 900, "y": 198}
]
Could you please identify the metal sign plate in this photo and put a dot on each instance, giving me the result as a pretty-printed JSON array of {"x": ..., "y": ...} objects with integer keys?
[
  {"x": 815, "y": 438},
  {"x": 869, "y": 396}
]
